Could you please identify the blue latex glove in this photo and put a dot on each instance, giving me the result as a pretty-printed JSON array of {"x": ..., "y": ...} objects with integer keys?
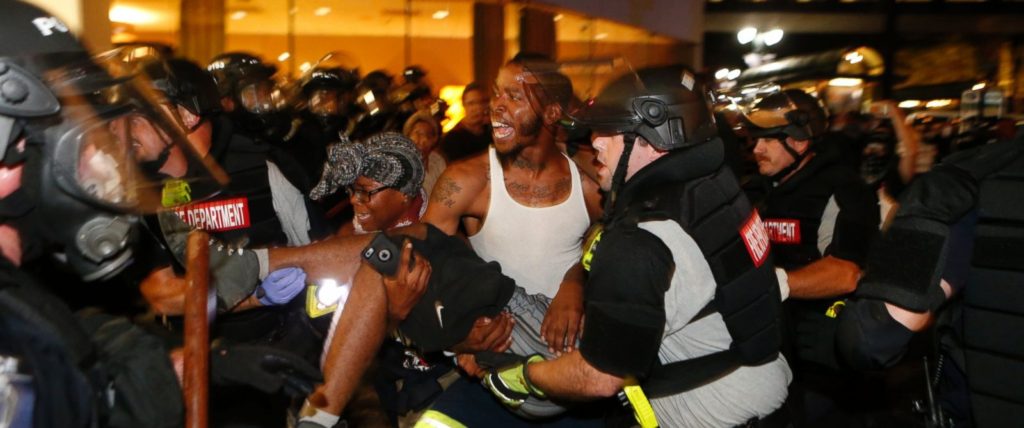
[{"x": 281, "y": 286}]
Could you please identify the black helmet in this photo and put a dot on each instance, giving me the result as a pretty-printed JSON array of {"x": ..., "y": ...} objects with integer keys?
[
  {"x": 378, "y": 81},
  {"x": 184, "y": 83},
  {"x": 791, "y": 112},
  {"x": 408, "y": 92},
  {"x": 230, "y": 70},
  {"x": 414, "y": 74},
  {"x": 329, "y": 78},
  {"x": 665, "y": 105}
]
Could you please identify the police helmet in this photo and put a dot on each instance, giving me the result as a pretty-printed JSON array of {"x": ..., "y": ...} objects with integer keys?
[
  {"x": 414, "y": 74},
  {"x": 184, "y": 83},
  {"x": 230, "y": 70},
  {"x": 791, "y": 112},
  {"x": 378, "y": 80},
  {"x": 665, "y": 105},
  {"x": 329, "y": 78}
]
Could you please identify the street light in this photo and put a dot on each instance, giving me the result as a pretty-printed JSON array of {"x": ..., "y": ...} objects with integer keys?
[
  {"x": 760, "y": 41},
  {"x": 773, "y": 36},
  {"x": 746, "y": 35}
]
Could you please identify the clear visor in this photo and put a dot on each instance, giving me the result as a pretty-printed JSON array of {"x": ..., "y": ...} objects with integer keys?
[
  {"x": 262, "y": 97},
  {"x": 369, "y": 102},
  {"x": 591, "y": 78},
  {"x": 123, "y": 147},
  {"x": 768, "y": 117},
  {"x": 324, "y": 102},
  {"x": 759, "y": 118}
]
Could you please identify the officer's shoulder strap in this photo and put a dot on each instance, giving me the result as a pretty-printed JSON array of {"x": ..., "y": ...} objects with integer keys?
[{"x": 681, "y": 376}]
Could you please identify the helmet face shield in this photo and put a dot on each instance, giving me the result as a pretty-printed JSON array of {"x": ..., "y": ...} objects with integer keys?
[
  {"x": 791, "y": 112},
  {"x": 120, "y": 147},
  {"x": 665, "y": 105},
  {"x": 325, "y": 102},
  {"x": 262, "y": 96}
]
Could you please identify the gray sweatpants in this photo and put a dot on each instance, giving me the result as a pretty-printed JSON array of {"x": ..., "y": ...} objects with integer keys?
[{"x": 528, "y": 310}]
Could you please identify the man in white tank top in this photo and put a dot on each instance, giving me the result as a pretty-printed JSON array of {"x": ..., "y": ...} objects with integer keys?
[{"x": 523, "y": 203}]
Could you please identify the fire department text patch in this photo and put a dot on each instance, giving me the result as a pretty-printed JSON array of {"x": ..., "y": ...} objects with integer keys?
[
  {"x": 783, "y": 230},
  {"x": 755, "y": 238},
  {"x": 216, "y": 216}
]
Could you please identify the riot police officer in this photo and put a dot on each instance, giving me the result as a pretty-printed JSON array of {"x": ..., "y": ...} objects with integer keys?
[
  {"x": 329, "y": 93},
  {"x": 266, "y": 185},
  {"x": 250, "y": 95},
  {"x": 377, "y": 113},
  {"x": 74, "y": 175},
  {"x": 820, "y": 218},
  {"x": 958, "y": 237}
]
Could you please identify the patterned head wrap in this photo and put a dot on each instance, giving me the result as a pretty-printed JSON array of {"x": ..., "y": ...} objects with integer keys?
[{"x": 388, "y": 158}]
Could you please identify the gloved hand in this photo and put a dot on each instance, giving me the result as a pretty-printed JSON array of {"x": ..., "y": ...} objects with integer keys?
[
  {"x": 511, "y": 385},
  {"x": 262, "y": 367},
  {"x": 312, "y": 417},
  {"x": 281, "y": 286},
  {"x": 234, "y": 271}
]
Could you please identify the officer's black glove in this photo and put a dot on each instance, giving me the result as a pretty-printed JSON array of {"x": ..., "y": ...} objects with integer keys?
[
  {"x": 816, "y": 336},
  {"x": 262, "y": 367}
]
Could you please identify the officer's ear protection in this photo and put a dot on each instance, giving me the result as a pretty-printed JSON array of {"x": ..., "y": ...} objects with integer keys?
[
  {"x": 655, "y": 113},
  {"x": 798, "y": 117},
  {"x": 22, "y": 95}
]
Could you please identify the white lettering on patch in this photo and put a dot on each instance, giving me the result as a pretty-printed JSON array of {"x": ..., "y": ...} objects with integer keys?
[
  {"x": 783, "y": 230},
  {"x": 46, "y": 25},
  {"x": 755, "y": 238},
  {"x": 217, "y": 216}
]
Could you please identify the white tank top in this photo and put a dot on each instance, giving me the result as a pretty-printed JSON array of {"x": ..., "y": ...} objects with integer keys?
[{"x": 535, "y": 246}]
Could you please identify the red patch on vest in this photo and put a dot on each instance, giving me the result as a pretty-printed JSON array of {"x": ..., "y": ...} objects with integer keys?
[
  {"x": 216, "y": 216},
  {"x": 783, "y": 230},
  {"x": 755, "y": 238}
]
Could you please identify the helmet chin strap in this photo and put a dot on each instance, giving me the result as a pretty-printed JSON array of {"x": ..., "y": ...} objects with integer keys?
[
  {"x": 797, "y": 159},
  {"x": 619, "y": 178}
]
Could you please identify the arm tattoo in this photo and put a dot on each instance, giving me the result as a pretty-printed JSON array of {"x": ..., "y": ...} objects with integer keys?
[{"x": 444, "y": 192}]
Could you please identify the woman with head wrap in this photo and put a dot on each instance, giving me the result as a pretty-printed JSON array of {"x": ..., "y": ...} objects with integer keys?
[
  {"x": 384, "y": 178},
  {"x": 425, "y": 132}
]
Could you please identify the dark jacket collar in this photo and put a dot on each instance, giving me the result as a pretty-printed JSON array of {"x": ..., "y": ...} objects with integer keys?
[{"x": 678, "y": 166}]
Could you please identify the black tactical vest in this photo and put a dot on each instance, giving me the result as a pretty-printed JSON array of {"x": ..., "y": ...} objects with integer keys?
[
  {"x": 993, "y": 309},
  {"x": 792, "y": 214},
  {"x": 40, "y": 332},
  {"x": 244, "y": 213},
  {"x": 694, "y": 188}
]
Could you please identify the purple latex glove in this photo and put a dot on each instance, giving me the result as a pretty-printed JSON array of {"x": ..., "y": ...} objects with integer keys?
[{"x": 280, "y": 286}]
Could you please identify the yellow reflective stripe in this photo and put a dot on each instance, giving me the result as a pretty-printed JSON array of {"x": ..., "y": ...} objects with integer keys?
[
  {"x": 436, "y": 419},
  {"x": 590, "y": 245},
  {"x": 175, "y": 192},
  {"x": 834, "y": 310},
  {"x": 642, "y": 409}
]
